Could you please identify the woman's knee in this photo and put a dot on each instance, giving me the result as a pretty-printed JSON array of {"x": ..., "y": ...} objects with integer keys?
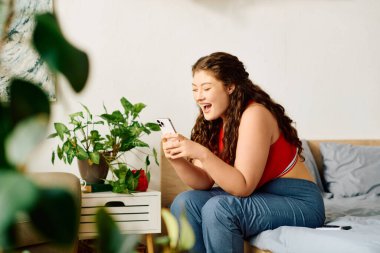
[
  {"x": 188, "y": 202},
  {"x": 220, "y": 209}
]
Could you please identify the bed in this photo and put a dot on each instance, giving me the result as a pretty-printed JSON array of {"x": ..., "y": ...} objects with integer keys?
[{"x": 348, "y": 175}]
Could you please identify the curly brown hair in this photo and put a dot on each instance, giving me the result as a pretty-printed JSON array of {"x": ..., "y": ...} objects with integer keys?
[{"x": 230, "y": 70}]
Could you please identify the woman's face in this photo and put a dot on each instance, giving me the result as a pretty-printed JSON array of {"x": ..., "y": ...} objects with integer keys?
[{"x": 211, "y": 95}]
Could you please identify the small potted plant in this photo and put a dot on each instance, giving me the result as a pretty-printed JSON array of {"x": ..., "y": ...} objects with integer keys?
[{"x": 98, "y": 151}]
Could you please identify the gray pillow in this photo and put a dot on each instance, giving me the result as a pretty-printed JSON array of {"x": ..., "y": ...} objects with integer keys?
[
  {"x": 351, "y": 170},
  {"x": 311, "y": 164}
]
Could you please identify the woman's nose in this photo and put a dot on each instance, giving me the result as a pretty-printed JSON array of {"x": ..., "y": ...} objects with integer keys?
[{"x": 199, "y": 96}]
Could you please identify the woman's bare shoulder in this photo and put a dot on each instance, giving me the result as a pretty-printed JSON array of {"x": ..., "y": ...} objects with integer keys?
[
  {"x": 257, "y": 117},
  {"x": 256, "y": 111}
]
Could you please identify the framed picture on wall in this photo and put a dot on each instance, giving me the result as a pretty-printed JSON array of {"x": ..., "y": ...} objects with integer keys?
[{"x": 18, "y": 58}]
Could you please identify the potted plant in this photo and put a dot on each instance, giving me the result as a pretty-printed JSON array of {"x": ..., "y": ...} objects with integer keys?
[{"x": 97, "y": 150}]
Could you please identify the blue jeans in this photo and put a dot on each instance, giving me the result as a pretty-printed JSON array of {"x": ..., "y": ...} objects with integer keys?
[{"x": 222, "y": 221}]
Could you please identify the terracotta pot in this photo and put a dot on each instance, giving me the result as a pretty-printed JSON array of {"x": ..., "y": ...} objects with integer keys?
[{"x": 95, "y": 173}]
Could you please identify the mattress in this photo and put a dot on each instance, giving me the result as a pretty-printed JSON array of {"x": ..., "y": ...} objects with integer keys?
[{"x": 362, "y": 213}]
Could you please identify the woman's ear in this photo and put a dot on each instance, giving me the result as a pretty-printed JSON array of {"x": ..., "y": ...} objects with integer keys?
[{"x": 230, "y": 88}]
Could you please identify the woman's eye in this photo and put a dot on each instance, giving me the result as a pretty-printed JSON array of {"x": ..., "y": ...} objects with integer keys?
[
  {"x": 195, "y": 90},
  {"x": 207, "y": 89}
]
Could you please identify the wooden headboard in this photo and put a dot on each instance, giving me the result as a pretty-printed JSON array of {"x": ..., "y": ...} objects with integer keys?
[{"x": 171, "y": 185}]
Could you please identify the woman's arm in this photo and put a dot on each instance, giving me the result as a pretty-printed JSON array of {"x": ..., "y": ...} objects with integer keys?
[
  {"x": 256, "y": 133},
  {"x": 190, "y": 173}
]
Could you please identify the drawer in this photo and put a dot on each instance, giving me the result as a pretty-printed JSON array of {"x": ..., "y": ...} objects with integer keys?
[
  {"x": 118, "y": 217},
  {"x": 114, "y": 210},
  {"x": 131, "y": 213},
  {"x": 124, "y": 201}
]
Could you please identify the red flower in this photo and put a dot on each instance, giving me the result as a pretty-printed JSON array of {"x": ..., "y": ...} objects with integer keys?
[{"x": 142, "y": 184}]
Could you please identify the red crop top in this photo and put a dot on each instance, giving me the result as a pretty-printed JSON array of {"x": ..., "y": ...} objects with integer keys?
[{"x": 281, "y": 159}]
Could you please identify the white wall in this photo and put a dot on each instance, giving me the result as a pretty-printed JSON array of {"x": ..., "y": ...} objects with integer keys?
[{"x": 319, "y": 58}]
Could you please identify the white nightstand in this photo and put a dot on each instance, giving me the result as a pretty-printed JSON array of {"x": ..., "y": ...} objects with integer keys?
[{"x": 137, "y": 213}]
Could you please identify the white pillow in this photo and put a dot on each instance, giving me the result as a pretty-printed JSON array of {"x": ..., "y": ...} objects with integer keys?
[{"x": 351, "y": 170}]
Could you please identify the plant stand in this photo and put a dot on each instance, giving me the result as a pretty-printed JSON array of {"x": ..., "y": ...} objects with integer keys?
[{"x": 137, "y": 213}]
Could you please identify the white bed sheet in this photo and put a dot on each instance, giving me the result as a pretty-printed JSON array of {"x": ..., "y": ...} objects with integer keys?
[{"x": 362, "y": 213}]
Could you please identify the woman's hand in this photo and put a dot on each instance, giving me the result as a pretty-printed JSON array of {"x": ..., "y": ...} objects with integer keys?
[{"x": 177, "y": 146}]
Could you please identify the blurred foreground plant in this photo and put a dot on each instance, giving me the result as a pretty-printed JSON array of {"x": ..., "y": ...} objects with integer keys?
[
  {"x": 180, "y": 236},
  {"x": 24, "y": 120}
]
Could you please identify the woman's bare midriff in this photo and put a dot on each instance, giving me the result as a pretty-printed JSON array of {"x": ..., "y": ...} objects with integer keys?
[{"x": 299, "y": 171}]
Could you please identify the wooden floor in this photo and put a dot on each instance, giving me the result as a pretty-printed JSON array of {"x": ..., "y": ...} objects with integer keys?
[{"x": 89, "y": 246}]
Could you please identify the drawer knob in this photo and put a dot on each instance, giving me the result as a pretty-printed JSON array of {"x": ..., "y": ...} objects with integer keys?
[{"x": 114, "y": 203}]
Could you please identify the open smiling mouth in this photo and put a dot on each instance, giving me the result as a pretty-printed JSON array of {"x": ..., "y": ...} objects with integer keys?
[{"x": 206, "y": 108}]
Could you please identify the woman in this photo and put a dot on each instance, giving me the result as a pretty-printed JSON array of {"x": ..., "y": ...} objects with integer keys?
[{"x": 244, "y": 143}]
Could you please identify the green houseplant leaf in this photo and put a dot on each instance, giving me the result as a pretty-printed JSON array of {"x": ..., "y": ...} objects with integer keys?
[
  {"x": 59, "y": 54},
  {"x": 5, "y": 129},
  {"x": 110, "y": 239},
  {"x": 16, "y": 194},
  {"x": 82, "y": 139},
  {"x": 26, "y": 100},
  {"x": 187, "y": 237},
  {"x": 172, "y": 227},
  {"x": 29, "y": 109},
  {"x": 24, "y": 138},
  {"x": 55, "y": 215}
]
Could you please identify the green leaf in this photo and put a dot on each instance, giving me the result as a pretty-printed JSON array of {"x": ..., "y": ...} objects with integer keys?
[
  {"x": 148, "y": 176},
  {"x": 137, "y": 108},
  {"x": 98, "y": 147},
  {"x": 61, "y": 129},
  {"x": 162, "y": 240},
  {"x": 76, "y": 114},
  {"x": 153, "y": 126},
  {"x": 107, "y": 117},
  {"x": 24, "y": 138},
  {"x": 117, "y": 116},
  {"x": 110, "y": 237},
  {"x": 71, "y": 155},
  {"x": 128, "y": 106},
  {"x": 50, "y": 136},
  {"x": 74, "y": 120},
  {"x": 136, "y": 129},
  {"x": 155, "y": 156},
  {"x": 52, "y": 157},
  {"x": 98, "y": 123},
  {"x": 187, "y": 237},
  {"x": 140, "y": 143},
  {"x": 58, "y": 53},
  {"x": 56, "y": 215},
  {"x": 95, "y": 157},
  {"x": 59, "y": 152},
  {"x": 26, "y": 100},
  {"x": 5, "y": 129},
  {"x": 130, "y": 144},
  {"x": 66, "y": 146},
  {"x": 147, "y": 161},
  {"x": 17, "y": 194},
  {"x": 81, "y": 153},
  {"x": 132, "y": 182},
  {"x": 87, "y": 111},
  {"x": 172, "y": 227},
  {"x": 117, "y": 132}
]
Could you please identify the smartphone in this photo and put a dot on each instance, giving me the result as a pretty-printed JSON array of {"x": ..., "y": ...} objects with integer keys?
[
  {"x": 334, "y": 227},
  {"x": 166, "y": 126}
]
